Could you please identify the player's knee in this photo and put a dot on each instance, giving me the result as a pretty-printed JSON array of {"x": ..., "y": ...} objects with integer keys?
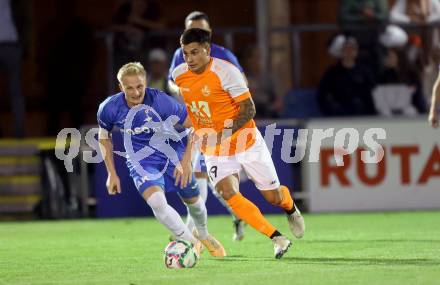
[
  {"x": 156, "y": 200},
  {"x": 225, "y": 192},
  {"x": 228, "y": 186}
]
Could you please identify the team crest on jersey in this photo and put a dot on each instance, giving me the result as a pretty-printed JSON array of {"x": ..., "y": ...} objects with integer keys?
[
  {"x": 148, "y": 119},
  {"x": 206, "y": 91}
]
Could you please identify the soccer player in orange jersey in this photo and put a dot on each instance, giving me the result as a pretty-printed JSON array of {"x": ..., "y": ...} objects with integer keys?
[
  {"x": 200, "y": 20},
  {"x": 221, "y": 107}
]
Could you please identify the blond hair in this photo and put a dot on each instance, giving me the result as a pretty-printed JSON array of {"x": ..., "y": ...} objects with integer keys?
[{"x": 131, "y": 68}]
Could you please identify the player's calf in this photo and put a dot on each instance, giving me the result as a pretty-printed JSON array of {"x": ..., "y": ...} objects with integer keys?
[
  {"x": 281, "y": 197},
  {"x": 197, "y": 210},
  {"x": 166, "y": 215}
]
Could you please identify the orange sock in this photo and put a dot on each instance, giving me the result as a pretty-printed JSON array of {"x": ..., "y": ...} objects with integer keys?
[
  {"x": 249, "y": 213},
  {"x": 287, "y": 201}
]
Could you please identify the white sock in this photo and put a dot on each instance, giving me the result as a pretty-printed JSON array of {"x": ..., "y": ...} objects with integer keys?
[
  {"x": 168, "y": 217},
  {"x": 202, "y": 183},
  {"x": 199, "y": 215},
  {"x": 203, "y": 188}
]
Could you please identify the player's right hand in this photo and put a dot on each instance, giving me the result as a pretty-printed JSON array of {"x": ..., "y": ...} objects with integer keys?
[
  {"x": 183, "y": 173},
  {"x": 433, "y": 118},
  {"x": 113, "y": 184}
]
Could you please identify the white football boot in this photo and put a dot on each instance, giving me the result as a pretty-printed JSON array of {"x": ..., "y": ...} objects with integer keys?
[
  {"x": 281, "y": 245},
  {"x": 296, "y": 223}
]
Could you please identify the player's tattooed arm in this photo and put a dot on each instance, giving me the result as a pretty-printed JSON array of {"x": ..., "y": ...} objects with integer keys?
[{"x": 246, "y": 113}]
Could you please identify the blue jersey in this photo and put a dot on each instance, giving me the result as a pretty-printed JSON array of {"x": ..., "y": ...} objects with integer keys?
[
  {"x": 153, "y": 146},
  {"x": 148, "y": 129},
  {"x": 216, "y": 51}
]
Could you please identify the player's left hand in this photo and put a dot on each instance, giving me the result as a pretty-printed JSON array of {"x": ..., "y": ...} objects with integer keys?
[{"x": 183, "y": 173}]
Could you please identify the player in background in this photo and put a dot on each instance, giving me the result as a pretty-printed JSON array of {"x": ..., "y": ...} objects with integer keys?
[
  {"x": 221, "y": 106},
  {"x": 200, "y": 20},
  {"x": 157, "y": 158},
  {"x": 435, "y": 98}
]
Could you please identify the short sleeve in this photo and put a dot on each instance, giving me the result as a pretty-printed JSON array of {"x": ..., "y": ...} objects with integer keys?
[
  {"x": 232, "y": 81},
  {"x": 105, "y": 117}
]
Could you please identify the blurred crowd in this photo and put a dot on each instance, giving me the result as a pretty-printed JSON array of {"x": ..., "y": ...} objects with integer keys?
[{"x": 386, "y": 58}]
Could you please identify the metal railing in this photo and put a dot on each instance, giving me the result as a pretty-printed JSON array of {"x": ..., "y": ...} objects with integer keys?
[{"x": 229, "y": 34}]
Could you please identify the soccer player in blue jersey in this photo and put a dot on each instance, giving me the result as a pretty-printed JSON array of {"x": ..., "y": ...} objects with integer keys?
[
  {"x": 157, "y": 158},
  {"x": 200, "y": 20}
]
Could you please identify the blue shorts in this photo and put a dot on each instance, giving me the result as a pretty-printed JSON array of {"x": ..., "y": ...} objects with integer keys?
[{"x": 163, "y": 178}]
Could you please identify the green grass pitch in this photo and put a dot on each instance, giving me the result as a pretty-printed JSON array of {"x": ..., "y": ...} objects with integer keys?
[{"x": 376, "y": 248}]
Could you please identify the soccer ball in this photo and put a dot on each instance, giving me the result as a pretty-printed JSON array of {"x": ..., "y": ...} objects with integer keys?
[{"x": 180, "y": 254}]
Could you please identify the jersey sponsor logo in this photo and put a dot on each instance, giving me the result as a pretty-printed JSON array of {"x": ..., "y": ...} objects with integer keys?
[
  {"x": 139, "y": 130},
  {"x": 150, "y": 125},
  {"x": 202, "y": 113}
]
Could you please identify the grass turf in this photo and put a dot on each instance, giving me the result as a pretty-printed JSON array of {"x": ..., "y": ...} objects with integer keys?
[{"x": 377, "y": 248}]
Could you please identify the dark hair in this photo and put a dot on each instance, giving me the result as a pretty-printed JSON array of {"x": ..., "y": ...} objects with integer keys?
[
  {"x": 195, "y": 36},
  {"x": 196, "y": 15}
]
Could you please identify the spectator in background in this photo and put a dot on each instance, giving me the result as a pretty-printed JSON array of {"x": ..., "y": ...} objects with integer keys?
[
  {"x": 345, "y": 89},
  {"x": 266, "y": 93},
  {"x": 158, "y": 70},
  {"x": 132, "y": 22},
  {"x": 399, "y": 89},
  {"x": 358, "y": 12},
  {"x": 364, "y": 20},
  {"x": 419, "y": 12},
  {"x": 415, "y": 11},
  {"x": 10, "y": 64},
  {"x": 430, "y": 73},
  {"x": 415, "y": 52}
]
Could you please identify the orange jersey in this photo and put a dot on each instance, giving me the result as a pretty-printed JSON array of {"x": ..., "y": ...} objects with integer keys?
[{"x": 212, "y": 98}]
